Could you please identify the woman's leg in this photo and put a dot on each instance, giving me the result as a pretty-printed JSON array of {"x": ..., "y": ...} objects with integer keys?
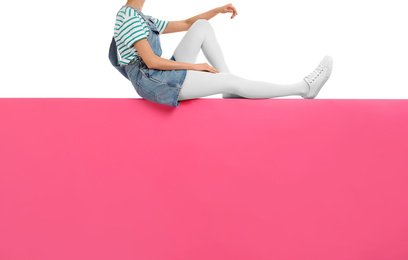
[
  {"x": 201, "y": 36},
  {"x": 201, "y": 83}
]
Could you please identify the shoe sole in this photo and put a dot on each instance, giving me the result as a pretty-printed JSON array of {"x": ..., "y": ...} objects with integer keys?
[{"x": 330, "y": 68}]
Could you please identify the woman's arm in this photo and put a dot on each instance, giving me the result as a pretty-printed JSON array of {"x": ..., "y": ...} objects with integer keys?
[
  {"x": 153, "y": 61},
  {"x": 184, "y": 25},
  {"x": 207, "y": 15},
  {"x": 229, "y": 8}
]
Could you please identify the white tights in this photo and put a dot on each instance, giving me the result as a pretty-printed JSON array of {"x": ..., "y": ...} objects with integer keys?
[{"x": 201, "y": 83}]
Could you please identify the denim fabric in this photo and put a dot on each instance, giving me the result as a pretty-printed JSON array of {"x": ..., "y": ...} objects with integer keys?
[{"x": 159, "y": 86}]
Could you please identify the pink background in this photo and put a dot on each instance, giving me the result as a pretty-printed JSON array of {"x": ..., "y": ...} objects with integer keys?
[{"x": 212, "y": 179}]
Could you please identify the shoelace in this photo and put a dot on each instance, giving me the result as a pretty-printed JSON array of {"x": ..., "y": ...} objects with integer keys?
[{"x": 316, "y": 73}]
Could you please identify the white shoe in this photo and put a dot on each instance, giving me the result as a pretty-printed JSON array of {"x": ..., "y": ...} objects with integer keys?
[{"x": 318, "y": 77}]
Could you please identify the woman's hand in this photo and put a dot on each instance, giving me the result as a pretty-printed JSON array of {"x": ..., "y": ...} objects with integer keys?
[
  {"x": 229, "y": 8},
  {"x": 204, "y": 67}
]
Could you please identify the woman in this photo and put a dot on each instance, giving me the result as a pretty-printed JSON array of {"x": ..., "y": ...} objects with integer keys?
[{"x": 168, "y": 81}]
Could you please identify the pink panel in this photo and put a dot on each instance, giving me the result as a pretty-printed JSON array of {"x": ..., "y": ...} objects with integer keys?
[{"x": 320, "y": 179}]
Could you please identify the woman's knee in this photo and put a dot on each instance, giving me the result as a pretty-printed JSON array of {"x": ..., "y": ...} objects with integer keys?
[{"x": 202, "y": 23}]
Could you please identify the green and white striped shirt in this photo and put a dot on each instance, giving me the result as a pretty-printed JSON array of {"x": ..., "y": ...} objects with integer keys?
[{"x": 130, "y": 27}]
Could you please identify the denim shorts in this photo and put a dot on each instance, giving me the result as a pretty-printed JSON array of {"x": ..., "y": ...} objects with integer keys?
[{"x": 159, "y": 86}]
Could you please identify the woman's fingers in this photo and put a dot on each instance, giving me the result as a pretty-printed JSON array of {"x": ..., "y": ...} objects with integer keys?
[
  {"x": 212, "y": 69},
  {"x": 234, "y": 10},
  {"x": 229, "y": 8},
  {"x": 205, "y": 67}
]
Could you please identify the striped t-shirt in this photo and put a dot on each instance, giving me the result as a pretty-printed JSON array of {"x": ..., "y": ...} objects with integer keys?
[{"x": 130, "y": 27}]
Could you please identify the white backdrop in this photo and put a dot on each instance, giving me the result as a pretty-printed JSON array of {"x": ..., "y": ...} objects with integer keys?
[{"x": 60, "y": 48}]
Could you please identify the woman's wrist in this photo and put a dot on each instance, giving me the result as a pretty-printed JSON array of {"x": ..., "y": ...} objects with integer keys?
[{"x": 191, "y": 66}]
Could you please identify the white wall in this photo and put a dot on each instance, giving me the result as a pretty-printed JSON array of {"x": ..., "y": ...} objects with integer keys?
[{"x": 60, "y": 48}]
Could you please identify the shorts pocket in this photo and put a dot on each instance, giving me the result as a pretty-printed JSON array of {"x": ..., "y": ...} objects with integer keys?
[
  {"x": 153, "y": 75},
  {"x": 145, "y": 93}
]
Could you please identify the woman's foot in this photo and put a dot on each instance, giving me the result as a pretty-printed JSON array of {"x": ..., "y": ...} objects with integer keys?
[{"x": 318, "y": 77}]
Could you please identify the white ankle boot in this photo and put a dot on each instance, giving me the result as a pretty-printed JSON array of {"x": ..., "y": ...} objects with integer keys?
[{"x": 318, "y": 77}]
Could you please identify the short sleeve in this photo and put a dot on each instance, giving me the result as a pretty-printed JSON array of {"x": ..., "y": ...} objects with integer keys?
[
  {"x": 160, "y": 24},
  {"x": 133, "y": 28}
]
